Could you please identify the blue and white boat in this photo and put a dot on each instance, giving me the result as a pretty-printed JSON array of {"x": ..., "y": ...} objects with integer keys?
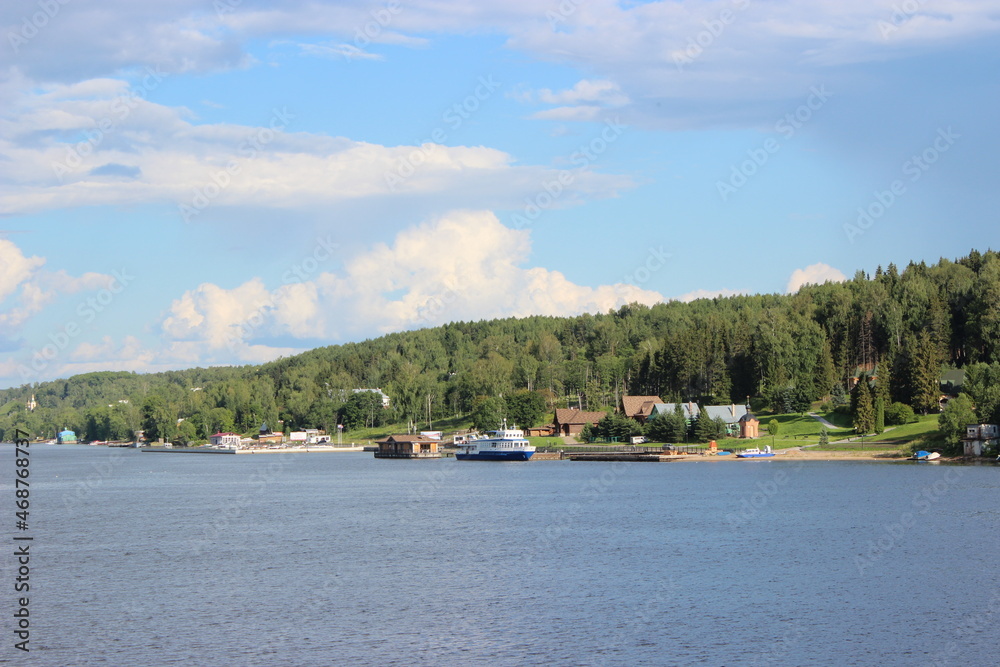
[
  {"x": 755, "y": 453},
  {"x": 504, "y": 444}
]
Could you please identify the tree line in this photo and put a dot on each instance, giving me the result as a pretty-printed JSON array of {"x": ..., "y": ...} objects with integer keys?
[{"x": 891, "y": 333}]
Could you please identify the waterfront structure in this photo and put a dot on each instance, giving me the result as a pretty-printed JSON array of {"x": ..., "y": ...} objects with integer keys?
[
  {"x": 225, "y": 440},
  {"x": 978, "y": 437},
  {"x": 407, "y": 447},
  {"x": 66, "y": 437}
]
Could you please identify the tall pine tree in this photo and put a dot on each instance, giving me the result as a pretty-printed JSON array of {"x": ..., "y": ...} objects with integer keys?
[{"x": 864, "y": 410}]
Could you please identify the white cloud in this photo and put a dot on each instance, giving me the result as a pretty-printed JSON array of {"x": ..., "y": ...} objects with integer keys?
[
  {"x": 339, "y": 52},
  {"x": 463, "y": 266},
  {"x": 814, "y": 274},
  {"x": 26, "y": 288},
  {"x": 134, "y": 151},
  {"x": 15, "y": 268},
  {"x": 682, "y": 59},
  {"x": 605, "y": 92}
]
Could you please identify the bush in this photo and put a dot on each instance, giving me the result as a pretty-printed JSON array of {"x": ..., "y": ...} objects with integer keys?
[{"x": 898, "y": 414}]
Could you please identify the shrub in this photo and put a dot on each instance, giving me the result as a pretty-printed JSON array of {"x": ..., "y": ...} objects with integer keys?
[{"x": 898, "y": 414}]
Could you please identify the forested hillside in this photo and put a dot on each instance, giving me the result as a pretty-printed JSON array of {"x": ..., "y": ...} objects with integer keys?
[{"x": 906, "y": 326}]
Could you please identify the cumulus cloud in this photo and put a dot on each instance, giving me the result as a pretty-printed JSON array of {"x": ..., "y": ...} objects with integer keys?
[
  {"x": 465, "y": 265},
  {"x": 26, "y": 287},
  {"x": 814, "y": 274},
  {"x": 15, "y": 268}
]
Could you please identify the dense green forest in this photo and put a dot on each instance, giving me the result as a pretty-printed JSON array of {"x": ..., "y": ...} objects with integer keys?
[{"x": 903, "y": 327}]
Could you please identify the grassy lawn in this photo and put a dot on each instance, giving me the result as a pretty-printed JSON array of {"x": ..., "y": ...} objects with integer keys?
[
  {"x": 546, "y": 443},
  {"x": 841, "y": 420}
]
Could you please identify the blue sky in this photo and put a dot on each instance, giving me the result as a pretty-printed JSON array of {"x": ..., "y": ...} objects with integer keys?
[{"x": 202, "y": 183}]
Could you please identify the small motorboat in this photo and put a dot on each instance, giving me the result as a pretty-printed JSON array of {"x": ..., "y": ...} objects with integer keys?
[
  {"x": 924, "y": 456},
  {"x": 755, "y": 453}
]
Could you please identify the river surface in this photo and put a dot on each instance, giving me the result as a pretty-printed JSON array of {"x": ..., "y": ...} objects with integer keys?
[{"x": 342, "y": 559}]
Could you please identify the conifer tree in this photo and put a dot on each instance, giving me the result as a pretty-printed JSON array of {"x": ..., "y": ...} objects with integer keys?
[
  {"x": 864, "y": 411},
  {"x": 704, "y": 427}
]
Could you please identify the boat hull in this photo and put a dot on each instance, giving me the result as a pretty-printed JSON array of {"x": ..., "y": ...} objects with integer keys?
[
  {"x": 495, "y": 456},
  {"x": 754, "y": 456}
]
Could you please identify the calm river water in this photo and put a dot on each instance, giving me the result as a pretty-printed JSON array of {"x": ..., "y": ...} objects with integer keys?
[{"x": 330, "y": 559}]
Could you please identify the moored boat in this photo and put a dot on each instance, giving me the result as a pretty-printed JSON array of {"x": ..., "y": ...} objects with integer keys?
[
  {"x": 755, "y": 453},
  {"x": 504, "y": 444},
  {"x": 925, "y": 456}
]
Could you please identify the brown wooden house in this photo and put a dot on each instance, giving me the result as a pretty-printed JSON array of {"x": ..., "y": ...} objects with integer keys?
[
  {"x": 569, "y": 421},
  {"x": 408, "y": 447},
  {"x": 639, "y": 408}
]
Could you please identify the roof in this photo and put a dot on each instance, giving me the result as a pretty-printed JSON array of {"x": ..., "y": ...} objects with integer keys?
[
  {"x": 216, "y": 435},
  {"x": 572, "y": 416},
  {"x": 406, "y": 438},
  {"x": 730, "y": 414},
  {"x": 690, "y": 409},
  {"x": 633, "y": 406}
]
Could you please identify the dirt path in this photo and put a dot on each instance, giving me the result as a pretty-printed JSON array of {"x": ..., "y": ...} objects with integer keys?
[{"x": 821, "y": 420}]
